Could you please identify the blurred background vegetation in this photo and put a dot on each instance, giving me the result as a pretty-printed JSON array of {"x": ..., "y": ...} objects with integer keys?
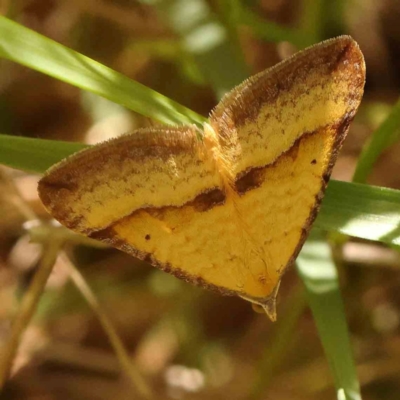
[{"x": 189, "y": 343}]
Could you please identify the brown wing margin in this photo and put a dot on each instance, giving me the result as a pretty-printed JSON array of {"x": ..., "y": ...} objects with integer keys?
[
  {"x": 154, "y": 167},
  {"x": 265, "y": 115}
]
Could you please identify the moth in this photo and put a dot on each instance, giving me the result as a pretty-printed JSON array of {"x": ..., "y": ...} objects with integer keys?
[{"x": 229, "y": 210}]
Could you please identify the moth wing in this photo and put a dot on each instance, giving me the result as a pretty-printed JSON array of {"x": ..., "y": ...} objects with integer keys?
[
  {"x": 155, "y": 194},
  {"x": 281, "y": 131},
  {"x": 162, "y": 195},
  {"x": 150, "y": 168}
]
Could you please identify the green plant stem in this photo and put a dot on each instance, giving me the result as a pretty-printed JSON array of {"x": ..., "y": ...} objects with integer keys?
[
  {"x": 319, "y": 275},
  {"x": 207, "y": 40},
  {"x": 387, "y": 133},
  {"x": 275, "y": 352},
  {"x": 273, "y": 32}
]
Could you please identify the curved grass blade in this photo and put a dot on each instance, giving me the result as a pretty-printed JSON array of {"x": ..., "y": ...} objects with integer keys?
[
  {"x": 387, "y": 133},
  {"x": 283, "y": 338},
  {"x": 34, "y": 155},
  {"x": 272, "y": 31},
  {"x": 207, "y": 40},
  {"x": 312, "y": 19},
  {"x": 320, "y": 278},
  {"x": 363, "y": 211},
  {"x": 26, "y": 47}
]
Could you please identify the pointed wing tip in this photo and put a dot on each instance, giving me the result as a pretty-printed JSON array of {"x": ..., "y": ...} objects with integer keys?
[
  {"x": 270, "y": 309},
  {"x": 267, "y": 305}
]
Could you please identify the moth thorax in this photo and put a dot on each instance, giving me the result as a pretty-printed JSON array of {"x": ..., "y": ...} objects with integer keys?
[{"x": 222, "y": 162}]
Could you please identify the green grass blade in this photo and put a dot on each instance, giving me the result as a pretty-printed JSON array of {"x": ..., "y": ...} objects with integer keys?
[
  {"x": 271, "y": 31},
  {"x": 312, "y": 20},
  {"x": 207, "y": 40},
  {"x": 229, "y": 12},
  {"x": 363, "y": 211},
  {"x": 283, "y": 338},
  {"x": 320, "y": 278},
  {"x": 26, "y": 47},
  {"x": 334, "y": 17},
  {"x": 34, "y": 155},
  {"x": 387, "y": 133}
]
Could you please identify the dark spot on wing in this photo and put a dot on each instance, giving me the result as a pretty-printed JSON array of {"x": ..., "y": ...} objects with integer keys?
[
  {"x": 250, "y": 180},
  {"x": 205, "y": 201}
]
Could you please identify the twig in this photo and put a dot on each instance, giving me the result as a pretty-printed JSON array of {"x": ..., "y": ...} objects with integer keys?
[{"x": 136, "y": 379}]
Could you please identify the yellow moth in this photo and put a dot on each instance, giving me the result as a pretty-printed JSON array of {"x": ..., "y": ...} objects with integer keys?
[{"x": 231, "y": 210}]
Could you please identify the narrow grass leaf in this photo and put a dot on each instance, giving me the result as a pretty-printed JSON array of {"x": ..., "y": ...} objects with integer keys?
[
  {"x": 363, "y": 211},
  {"x": 320, "y": 278},
  {"x": 334, "y": 17},
  {"x": 26, "y": 47},
  {"x": 312, "y": 19},
  {"x": 34, "y": 155},
  {"x": 207, "y": 40},
  {"x": 272, "y": 32},
  {"x": 229, "y": 12},
  {"x": 284, "y": 337},
  {"x": 387, "y": 133}
]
